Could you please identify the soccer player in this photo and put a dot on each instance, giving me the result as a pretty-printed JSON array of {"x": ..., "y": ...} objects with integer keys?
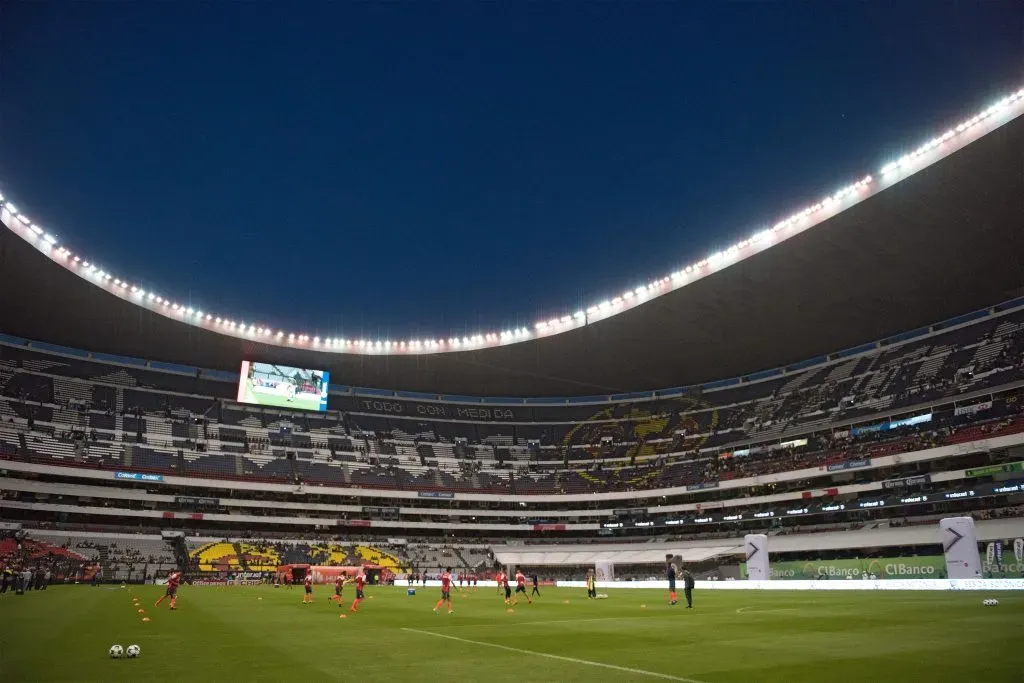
[
  {"x": 508, "y": 589},
  {"x": 360, "y": 582},
  {"x": 521, "y": 587},
  {"x": 307, "y": 596},
  {"x": 591, "y": 584},
  {"x": 474, "y": 583},
  {"x": 672, "y": 597},
  {"x": 173, "y": 580},
  {"x": 502, "y": 580},
  {"x": 688, "y": 584},
  {"x": 339, "y": 587},
  {"x": 446, "y": 592},
  {"x": 536, "y": 582}
]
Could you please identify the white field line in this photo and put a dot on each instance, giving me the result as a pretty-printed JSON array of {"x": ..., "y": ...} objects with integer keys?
[{"x": 572, "y": 660}]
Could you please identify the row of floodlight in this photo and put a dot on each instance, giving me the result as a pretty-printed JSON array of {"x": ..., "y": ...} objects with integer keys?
[{"x": 763, "y": 239}]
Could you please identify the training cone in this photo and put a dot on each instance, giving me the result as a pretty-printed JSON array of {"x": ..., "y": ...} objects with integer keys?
[
  {"x": 643, "y": 606},
  {"x": 343, "y": 616},
  {"x": 142, "y": 611},
  {"x": 145, "y": 618},
  {"x": 510, "y": 610}
]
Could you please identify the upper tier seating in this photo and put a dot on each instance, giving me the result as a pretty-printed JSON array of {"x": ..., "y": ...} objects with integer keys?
[{"x": 86, "y": 413}]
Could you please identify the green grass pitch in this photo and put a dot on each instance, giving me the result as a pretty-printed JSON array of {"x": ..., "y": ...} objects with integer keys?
[
  {"x": 270, "y": 400},
  {"x": 266, "y": 634}
]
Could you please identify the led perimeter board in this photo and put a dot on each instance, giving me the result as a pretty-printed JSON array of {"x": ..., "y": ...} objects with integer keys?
[{"x": 282, "y": 386}]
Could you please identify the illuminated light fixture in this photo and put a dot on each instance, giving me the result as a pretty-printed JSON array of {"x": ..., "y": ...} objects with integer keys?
[{"x": 795, "y": 221}]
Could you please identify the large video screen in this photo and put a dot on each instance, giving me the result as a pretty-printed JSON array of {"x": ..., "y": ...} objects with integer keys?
[{"x": 282, "y": 386}]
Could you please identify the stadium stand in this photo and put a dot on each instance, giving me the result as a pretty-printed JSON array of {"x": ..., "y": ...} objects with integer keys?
[{"x": 83, "y": 413}]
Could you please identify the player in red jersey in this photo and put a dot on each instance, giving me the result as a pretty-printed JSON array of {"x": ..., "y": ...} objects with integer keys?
[
  {"x": 307, "y": 595},
  {"x": 503, "y": 584},
  {"x": 474, "y": 583},
  {"x": 360, "y": 582},
  {"x": 339, "y": 587},
  {"x": 521, "y": 587},
  {"x": 173, "y": 581},
  {"x": 446, "y": 592}
]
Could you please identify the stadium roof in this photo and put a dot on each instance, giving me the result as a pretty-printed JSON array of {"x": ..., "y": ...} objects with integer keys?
[{"x": 937, "y": 233}]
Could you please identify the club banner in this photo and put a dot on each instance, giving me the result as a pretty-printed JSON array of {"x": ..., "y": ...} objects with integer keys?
[
  {"x": 849, "y": 465},
  {"x": 995, "y": 469},
  {"x": 756, "y": 548},
  {"x": 906, "y": 481},
  {"x": 973, "y": 408},
  {"x": 990, "y": 553},
  {"x": 960, "y": 545},
  {"x": 923, "y": 567},
  {"x": 999, "y": 553},
  {"x": 1018, "y": 549}
]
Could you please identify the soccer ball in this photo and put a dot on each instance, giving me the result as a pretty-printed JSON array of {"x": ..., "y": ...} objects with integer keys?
[
  {"x": 990, "y": 602},
  {"x": 134, "y": 651},
  {"x": 116, "y": 651}
]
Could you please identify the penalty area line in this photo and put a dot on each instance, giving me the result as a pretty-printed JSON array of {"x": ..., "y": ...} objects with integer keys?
[{"x": 572, "y": 660}]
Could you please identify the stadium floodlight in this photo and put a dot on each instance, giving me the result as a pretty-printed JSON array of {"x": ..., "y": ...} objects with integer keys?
[{"x": 795, "y": 222}]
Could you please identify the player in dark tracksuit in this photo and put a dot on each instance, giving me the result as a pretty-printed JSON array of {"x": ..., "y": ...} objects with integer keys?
[
  {"x": 535, "y": 583},
  {"x": 688, "y": 587},
  {"x": 672, "y": 598}
]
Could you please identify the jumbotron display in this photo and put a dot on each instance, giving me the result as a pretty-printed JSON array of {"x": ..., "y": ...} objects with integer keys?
[{"x": 282, "y": 386}]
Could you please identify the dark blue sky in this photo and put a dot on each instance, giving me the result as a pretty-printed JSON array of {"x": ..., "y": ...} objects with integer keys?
[{"x": 396, "y": 169}]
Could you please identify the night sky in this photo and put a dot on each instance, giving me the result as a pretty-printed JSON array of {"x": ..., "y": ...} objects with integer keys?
[{"x": 397, "y": 169}]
